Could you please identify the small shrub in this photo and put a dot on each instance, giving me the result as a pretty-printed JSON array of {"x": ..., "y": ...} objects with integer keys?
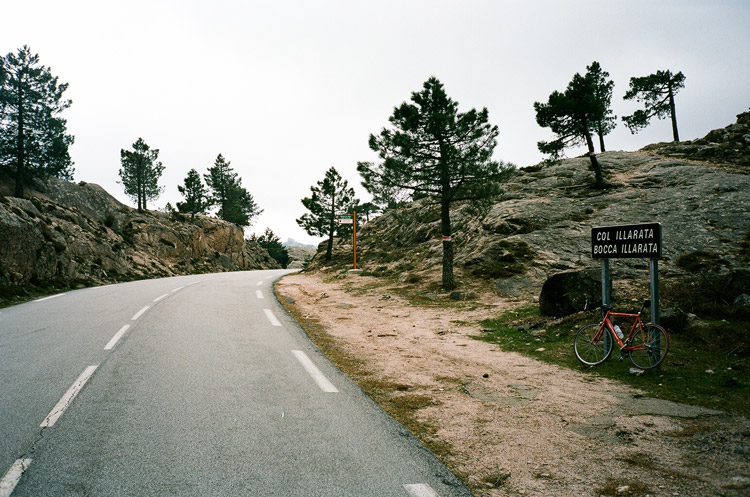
[
  {"x": 700, "y": 261},
  {"x": 109, "y": 221}
]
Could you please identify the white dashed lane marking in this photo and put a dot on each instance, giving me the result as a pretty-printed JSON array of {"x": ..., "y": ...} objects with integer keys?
[
  {"x": 116, "y": 338},
  {"x": 67, "y": 399},
  {"x": 313, "y": 371},
  {"x": 259, "y": 294},
  {"x": 157, "y": 299},
  {"x": 139, "y": 313},
  {"x": 13, "y": 476},
  {"x": 420, "y": 490},
  {"x": 271, "y": 317}
]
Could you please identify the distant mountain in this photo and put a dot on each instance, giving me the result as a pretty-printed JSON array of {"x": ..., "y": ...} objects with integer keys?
[{"x": 292, "y": 243}]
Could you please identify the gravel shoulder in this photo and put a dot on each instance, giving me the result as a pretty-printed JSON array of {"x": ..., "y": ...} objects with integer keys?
[{"x": 506, "y": 424}]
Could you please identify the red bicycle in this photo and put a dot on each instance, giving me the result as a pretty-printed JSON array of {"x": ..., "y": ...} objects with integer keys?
[{"x": 646, "y": 344}]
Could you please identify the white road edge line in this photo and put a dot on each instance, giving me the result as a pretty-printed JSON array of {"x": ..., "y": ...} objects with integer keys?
[
  {"x": 157, "y": 299},
  {"x": 259, "y": 294},
  {"x": 116, "y": 338},
  {"x": 271, "y": 317},
  {"x": 13, "y": 476},
  {"x": 50, "y": 297},
  {"x": 420, "y": 490},
  {"x": 67, "y": 399},
  {"x": 139, "y": 313},
  {"x": 313, "y": 371},
  {"x": 178, "y": 288}
]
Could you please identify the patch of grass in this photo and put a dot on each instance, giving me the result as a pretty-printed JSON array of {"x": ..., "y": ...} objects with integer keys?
[
  {"x": 699, "y": 261},
  {"x": 506, "y": 258},
  {"x": 709, "y": 367}
]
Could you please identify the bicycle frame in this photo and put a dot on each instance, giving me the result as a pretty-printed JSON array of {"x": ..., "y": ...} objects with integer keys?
[
  {"x": 593, "y": 346},
  {"x": 637, "y": 324}
]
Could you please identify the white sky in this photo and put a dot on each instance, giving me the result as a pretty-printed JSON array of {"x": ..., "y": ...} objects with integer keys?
[{"x": 286, "y": 89}]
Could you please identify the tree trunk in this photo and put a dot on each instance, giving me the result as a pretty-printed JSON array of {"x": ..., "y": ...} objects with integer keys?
[
  {"x": 139, "y": 182},
  {"x": 674, "y": 116},
  {"x": 599, "y": 182},
  {"x": 21, "y": 152},
  {"x": 445, "y": 229},
  {"x": 601, "y": 138},
  {"x": 331, "y": 229}
]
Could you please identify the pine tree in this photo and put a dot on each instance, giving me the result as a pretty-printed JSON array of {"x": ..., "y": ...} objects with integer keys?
[
  {"x": 33, "y": 138},
  {"x": 434, "y": 151},
  {"x": 603, "y": 94},
  {"x": 332, "y": 196},
  {"x": 195, "y": 194},
  {"x": 235, "y": 203},
  {"x": 657, "y": 91},
  {"x": 140, "y": 173},
  {"x": 269, "y": 241},
  {"x": 571, "y": 116}
]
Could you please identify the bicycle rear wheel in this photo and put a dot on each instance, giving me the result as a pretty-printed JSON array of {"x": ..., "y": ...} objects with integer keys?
[
  {"x": 592, "y": 347},
  {"x": 649, "y": 346}
]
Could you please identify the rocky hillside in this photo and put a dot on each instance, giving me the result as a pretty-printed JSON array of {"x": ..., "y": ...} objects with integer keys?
[
  {"x": 78, "y": 235},
  {"x": 542, "y": 225}
]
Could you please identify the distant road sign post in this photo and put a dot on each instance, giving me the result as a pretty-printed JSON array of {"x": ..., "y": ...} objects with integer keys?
[
  {"x": 628, "y": 242},
  {"x": 351, "y": 219}
]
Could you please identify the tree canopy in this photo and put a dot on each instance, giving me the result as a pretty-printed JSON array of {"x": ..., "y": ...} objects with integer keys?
[
  {"x": 572, "y": 115},
  {"x": 332, "y": 196},
  {"x": 33, "y": 137},
  {"x": 195, "y": 194},
  {"x": 657, "y": 92},
  {"x": 603, "y": 94},
  {"x": 235, "y": 203},
  {"x": 269, "y": 241},
  {"x": 140, "y": 173},
  {"x": 432, "y": 150}
]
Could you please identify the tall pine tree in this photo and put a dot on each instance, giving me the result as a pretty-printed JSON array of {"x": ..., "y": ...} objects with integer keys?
[
  {"x": 603, "y": 95},
  {"x": 33, "y": 138},
  {"x": 332, "y": 196},
  {"x": 572, "y": 116},
  {"x": 195, "y": 194},
  {"x": 269, "y": 241},
  {"x": 657, "y": 92},
  {"x": 140, "y": 173},
  {"x": 235, "y": 203},
  {"x": 435, "y": 151}
]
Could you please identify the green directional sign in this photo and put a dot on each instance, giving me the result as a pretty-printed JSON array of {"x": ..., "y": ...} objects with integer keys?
[{"x": 346, "y": 219}]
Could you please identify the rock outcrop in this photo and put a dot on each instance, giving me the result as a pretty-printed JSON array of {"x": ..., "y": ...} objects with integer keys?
[
  {"x": 542, "y": 224},
  {"x": 78, "y": 235}
]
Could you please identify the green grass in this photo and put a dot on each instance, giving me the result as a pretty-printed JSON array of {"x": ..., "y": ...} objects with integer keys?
[{"x": 708, "y": 366}]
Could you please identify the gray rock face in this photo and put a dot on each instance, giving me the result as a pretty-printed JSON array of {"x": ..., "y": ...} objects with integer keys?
[
  {"x": 542, "y": 225},
  {"x": 79, "y": 235}
]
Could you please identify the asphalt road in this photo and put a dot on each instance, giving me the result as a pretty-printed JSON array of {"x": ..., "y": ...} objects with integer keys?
[{"x": 194, "y": 385}]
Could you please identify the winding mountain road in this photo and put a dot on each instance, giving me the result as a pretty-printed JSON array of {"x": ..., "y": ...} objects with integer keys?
[{"x": 193, "y": 385}]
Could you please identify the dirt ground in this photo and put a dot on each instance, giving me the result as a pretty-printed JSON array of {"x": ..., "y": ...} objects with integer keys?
[{"x": 506, "y": 424}]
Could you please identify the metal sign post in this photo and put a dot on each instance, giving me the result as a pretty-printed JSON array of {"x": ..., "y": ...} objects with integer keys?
[
  {"x": 351, "y": 219},
  {"x": 627, "y": 242}
]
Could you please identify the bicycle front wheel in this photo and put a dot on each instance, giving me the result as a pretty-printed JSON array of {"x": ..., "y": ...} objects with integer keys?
[
  {"x": 592, "y": 347},
  {"x": 649, "y": 346}
]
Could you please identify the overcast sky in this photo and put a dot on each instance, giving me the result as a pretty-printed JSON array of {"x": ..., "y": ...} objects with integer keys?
[{"x": 286, "y": 89}]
